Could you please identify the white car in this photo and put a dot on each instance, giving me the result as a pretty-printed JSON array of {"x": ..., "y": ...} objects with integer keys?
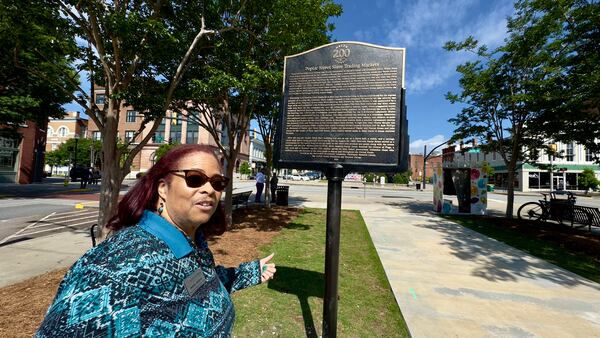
[{"x": 296, "y": 178}]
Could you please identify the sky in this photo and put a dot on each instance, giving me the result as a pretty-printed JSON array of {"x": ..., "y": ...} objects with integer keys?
[{"x": 422, "y": 27}]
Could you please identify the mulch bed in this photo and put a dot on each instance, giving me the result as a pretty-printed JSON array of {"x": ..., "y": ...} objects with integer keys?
[
  {"x": 23, "y": 305},
  {"x": 578, "y": 240}
]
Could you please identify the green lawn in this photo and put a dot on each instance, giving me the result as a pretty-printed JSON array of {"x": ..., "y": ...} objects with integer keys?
[
  {"x": 291, "y": 305},
  {"x": 554, "y": 253}
]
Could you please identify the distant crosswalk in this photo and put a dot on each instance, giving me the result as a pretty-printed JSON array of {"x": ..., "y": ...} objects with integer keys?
[{"x": 78, "y": 221}]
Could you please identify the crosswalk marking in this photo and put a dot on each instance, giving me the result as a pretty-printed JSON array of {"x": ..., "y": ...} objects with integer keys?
[{"x": 70, "y": 220}]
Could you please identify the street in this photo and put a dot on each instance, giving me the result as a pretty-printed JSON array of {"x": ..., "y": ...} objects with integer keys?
[{"x": 22, "y": 218}]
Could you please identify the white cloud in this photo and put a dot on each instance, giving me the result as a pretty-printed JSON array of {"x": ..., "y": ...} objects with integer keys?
[
  {"x": 423, "y": 27},
  {"x": 416, "y": 147}
]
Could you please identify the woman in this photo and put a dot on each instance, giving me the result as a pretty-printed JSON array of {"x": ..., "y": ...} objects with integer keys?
[{"x": 156, "y": 276}]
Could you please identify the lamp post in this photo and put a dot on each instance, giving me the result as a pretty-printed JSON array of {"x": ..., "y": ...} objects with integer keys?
[
  {"x": 553, "y": 150},
  {"x": 425, "y": 157}
]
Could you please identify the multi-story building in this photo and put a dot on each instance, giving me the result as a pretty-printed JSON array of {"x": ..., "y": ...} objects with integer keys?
[
  {"x": 530, "y": 177},
  {"x": 68, "y": 127},
  {"x": 257, "y": 159},
  {"x": 174, "y": 128}
]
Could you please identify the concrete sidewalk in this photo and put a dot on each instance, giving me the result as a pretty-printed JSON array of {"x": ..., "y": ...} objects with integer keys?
[
  {"x": 450, "y": 281},
  {"x": 447, "y": 280}
]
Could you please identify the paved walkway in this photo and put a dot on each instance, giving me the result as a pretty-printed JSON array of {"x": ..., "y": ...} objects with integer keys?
[
  {"x": 450, "y": 281},
  {"x": 447, "y": 280}
]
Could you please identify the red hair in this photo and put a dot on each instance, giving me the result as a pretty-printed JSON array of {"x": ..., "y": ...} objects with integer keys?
[{"x": 144, "y": 195}]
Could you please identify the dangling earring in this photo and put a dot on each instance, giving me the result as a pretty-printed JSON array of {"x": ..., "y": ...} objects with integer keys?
[{"x": 161, "y": 208}]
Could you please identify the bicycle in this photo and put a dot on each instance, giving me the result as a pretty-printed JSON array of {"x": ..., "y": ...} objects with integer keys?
[{"x": 550, "y": 208}]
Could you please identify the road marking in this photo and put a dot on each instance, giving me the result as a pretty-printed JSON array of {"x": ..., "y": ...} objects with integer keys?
[
  {"x": 52, "y": 222},
  {"x": 24, "y": 229},
  {"x": 494, "y": 200},
  {"x": 56, "y": 221}
]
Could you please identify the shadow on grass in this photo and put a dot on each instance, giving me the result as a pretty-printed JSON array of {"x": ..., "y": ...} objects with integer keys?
[{"x": 302, "y": 284}]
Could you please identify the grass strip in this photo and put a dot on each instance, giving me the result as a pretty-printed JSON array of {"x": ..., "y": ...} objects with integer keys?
[
  {"x": 578, "y": 263},
  {"x": 291, "y": 304}
]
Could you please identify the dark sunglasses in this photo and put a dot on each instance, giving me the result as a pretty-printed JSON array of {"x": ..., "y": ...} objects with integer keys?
[{"x": 195, "y": 179}]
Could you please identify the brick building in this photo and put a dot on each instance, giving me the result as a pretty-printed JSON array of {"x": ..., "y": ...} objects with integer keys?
[
  {"x": 173, "y": 129},
  {"x": 22, "y": 157},
  {"x": 416, "y": 165}
]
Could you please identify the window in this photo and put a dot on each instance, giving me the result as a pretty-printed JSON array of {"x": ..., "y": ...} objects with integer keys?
[
  {"x": 175, "y": 137},
  {"x": 100, "y": 98},
  {"x": 159, "y": 137},
  {"x": 191, "y": 137},
  {"x": 54, "y": 146},
  {"x": 96, "y": 136},
  {"x": 589, "y": 156},
  {"x": 63, "y": 131},
  {"x": 129, "y": 135},
  {"x": 50, "y": 131},
  {"x": 570, "y": 152},
  {"x": 131, "y": 114}
]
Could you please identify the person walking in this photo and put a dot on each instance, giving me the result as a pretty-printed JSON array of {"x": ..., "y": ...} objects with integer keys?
[
  {"x": 273, "y": 186},
  {"x": 260, "y": 185},
  {"x": 155, "y": 276}
]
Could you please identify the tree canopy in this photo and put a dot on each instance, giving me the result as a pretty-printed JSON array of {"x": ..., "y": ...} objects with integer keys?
[
  {"x": 36, "y": 46},
  {"x": 520, "y": 95}
]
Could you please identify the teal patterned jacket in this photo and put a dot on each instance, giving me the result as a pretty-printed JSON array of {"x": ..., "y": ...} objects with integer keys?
[{"x": 147, "y": 280}]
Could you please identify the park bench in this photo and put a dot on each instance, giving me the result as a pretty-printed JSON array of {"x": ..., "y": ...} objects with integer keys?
[
  {"x": 240, "y": 198},
  {"x": 586, "y": 216}
]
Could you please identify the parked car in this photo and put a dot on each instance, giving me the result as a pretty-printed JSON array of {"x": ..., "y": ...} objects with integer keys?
[
  {"x": 313, "y": 175},
  {"x": 77, "y": 173},
  {"x": 295, "y": 177},
  {"x": 304, "y": 177}
]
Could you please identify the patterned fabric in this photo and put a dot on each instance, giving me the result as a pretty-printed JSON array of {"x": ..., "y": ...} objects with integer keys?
[{"x": 133, "y": 285}]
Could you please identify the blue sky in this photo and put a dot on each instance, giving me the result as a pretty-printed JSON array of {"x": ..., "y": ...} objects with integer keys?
[{"x": 422, "y": 27}]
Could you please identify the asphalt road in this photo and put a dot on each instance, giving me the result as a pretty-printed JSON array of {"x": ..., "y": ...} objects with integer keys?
[{"x": 32, "y": 211}]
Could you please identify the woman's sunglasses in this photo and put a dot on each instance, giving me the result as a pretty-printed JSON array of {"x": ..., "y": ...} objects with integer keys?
[{"x": 195, "y": 179}]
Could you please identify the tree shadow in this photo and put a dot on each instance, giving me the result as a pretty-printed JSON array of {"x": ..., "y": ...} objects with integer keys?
[
  {"x": 494, "y": 261},
  {"x": 303, "y": 284}
]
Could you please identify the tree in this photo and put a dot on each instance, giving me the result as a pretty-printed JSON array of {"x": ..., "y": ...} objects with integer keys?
[
  {"x": 65, "y": 153},
  {"x": 31, "y": 51},
  {"x": 300, "y": 35},
  {"x": 138, "y": 52},
  {"x": 587, "y": 180},
  {"x": 571, "y": 104},
  {"x": 231, "y": 87},
  {"x": 542, "y": 84},
  {"x": 245, "y": 168},
  {"x": 163, "y": 149}
]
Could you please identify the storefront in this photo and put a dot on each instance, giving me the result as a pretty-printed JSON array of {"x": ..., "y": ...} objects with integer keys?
[{"x": 9, "y": 151}]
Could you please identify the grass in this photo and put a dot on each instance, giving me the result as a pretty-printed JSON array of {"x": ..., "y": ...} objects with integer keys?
[
  {"x": 291, "y": 305},
  {"x": 554, "y": 253}
]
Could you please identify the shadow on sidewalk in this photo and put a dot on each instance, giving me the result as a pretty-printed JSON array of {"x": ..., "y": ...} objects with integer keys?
[{"x": 496, "y": 261}]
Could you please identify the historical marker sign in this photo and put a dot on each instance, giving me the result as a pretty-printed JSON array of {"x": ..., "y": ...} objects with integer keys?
[{"x": 344, "y": 104}]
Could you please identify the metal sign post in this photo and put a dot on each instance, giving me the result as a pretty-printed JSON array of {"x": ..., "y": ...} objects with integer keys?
[
  {"x": 343, "y": 110},
  {"x": 335, "y": 176}
]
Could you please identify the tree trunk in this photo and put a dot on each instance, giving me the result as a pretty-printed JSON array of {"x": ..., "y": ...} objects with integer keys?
[
  {"x": 229, "y": 190},
  {"x": 111, "y": 174},
  {"x": 510, "y": 190}
]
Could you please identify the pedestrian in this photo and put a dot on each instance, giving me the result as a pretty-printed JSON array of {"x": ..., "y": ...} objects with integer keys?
[
  {"x": 155, "y": 275},
  {"x": 260, "y": 185},
  {"x": 84, "y": 178},
  {"x": 273, "y": 184},
  {"x": 90, "y": 175}
]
